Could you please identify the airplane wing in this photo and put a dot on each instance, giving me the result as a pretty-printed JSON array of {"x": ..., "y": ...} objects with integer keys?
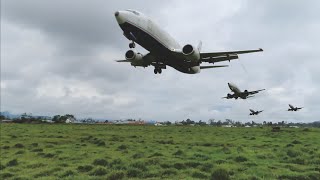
[
  {"x": 251, "y": 110},
  {"x": 255, "y": 92},
  {"x": 249, "y": 97},
  {"x": 224, "y": 56},
  {"x": 122, "y": 60},
  {"x": 208, "y": 67}
]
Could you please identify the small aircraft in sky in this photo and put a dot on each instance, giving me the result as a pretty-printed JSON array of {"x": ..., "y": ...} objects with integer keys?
[
  {"x": 237, "y": 93},
  {"x": 254, "y": 112},
  {"x": 163, "y": 49},
  {"x": 292, "y": 108}
]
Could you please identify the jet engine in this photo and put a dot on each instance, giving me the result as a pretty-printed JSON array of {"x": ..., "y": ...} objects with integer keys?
[
  {"x": 229, "y": 96},
  {"x": 191, "y": 53},
  {"x": 135, "y": 58}
]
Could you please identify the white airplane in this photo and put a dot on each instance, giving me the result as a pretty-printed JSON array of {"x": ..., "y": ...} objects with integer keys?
[
  {"x": 292, "y": 108},
  {"x": 255, "y": 112},
  {"x": 163, "y": 49},
  {"x": 237, "y": 93}
]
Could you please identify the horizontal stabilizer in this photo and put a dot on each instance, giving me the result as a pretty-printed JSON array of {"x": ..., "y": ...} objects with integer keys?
[
  {"x": 208, "y": 67},
  {"x": 123, "y": 60}
]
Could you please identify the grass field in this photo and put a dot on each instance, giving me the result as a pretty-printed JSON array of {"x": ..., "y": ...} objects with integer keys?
[{"x": 50, "y": 151}]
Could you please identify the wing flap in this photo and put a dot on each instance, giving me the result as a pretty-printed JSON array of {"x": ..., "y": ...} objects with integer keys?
[
  {"x": 123, "y": 61},
  {"x": 215, "y": 54},
  {"x": 255, "y": 92},
  {"x": 208, "y": 67}
]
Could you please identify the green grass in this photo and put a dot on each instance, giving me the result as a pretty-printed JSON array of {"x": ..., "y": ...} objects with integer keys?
[{"x": 51, "y": 151}]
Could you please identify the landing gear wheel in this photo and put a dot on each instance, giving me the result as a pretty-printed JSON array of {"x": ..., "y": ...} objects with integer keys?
[
  {"x": 155, "y": 71},
  {"x": 159, "y": 71},
  {"x": 132, "y": 45}
]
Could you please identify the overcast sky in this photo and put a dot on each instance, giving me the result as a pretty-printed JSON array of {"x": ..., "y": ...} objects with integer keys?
[{"x": 57, "y": 57}]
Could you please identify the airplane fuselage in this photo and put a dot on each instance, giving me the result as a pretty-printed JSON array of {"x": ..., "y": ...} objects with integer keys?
[{"x": 142, "y": 30}]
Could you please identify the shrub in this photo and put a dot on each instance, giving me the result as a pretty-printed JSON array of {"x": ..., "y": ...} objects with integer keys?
[
  {"x": 2, "y": 167},
  {"x": 34, "y": 144},
  {"x": 296, "y": 142},
  {"x": 122, "y": 147},
  {"x": 85, "y": 168},
  {"x": 116, "y": 176},
  {"x": 116, "y": 162},
  {"x": 165, "y": 166},
  {"x": 49, "y": 155},
  {"x": 13, "y": 162},
  {"x": 100, "y": 143},
  {"x": 37, "y": 150},
  {"x": 192, "y": 164},
  {"x": 139, "y": 165},
  {"x": 179, "y": 166},
  {"x": 298, "y": 160},
  {"x": 138, "y": 155},
  {"x": 306, "y": 129},
  {"x": 100, "y": 162},
  {"x": 67, "y": 174},
  {"x": 220, "y": 174},
  {"x": 6, "y": 175},
  {"x": 20, "y": 152},
  {"x": 201, "y": 157},
  {"x": 207, "y": 167},
  {"x": 199, "y": 175},
  {"x": 220, "y": 161},
  {"x": 5, "y": 147},
  {"x": 19, "y": 145},
  {"x": 226, "y": 150},
  {"x": 156, "y": 154},
  {"x": 133, "y": 173},
  {"x": 99, "y": 172},
  {"x": 178, "y": 153},
  {"x": 37, "y": 165},
  {"x": 293, "y": 153},
  {"x": 241, "y": 159},
  {"x": 169, "y": 172}
]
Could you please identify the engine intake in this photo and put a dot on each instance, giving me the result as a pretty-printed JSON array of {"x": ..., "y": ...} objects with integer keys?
[
  {"x": 191, "y": 53},
  {"x": 136, "y": 58}
]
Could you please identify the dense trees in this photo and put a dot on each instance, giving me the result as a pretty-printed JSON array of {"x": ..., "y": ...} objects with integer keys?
[{"x": 62, "y": 119}]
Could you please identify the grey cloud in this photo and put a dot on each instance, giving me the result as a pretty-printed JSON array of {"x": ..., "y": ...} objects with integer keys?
[
  {"x": 72, "y": 44},
  {"x": 78, "y": 26}
]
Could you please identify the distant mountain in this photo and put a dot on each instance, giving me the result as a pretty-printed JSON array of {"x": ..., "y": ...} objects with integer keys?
[{"x": 7, "y": 114}]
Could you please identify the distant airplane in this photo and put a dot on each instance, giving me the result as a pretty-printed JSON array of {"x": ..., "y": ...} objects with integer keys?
[
  {"x": 163, "y": 49},
  {"x": 255, "y": 112},
  {"x": 292, "y": 108},
  {"x": 239, "y": 94}
]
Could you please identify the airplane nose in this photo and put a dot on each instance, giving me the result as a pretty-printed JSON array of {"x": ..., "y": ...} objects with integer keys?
[{"x": 116, "y": 13}]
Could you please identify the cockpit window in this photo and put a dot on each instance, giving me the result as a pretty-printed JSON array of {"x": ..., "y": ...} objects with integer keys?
[{"x": 134, "y": 12}]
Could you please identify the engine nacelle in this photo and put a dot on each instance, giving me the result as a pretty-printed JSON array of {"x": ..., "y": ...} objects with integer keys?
[
  {"x": 246, "y": 92},
  {"x": 135, "y": 58},
  {"x": 191, "y": 53}
]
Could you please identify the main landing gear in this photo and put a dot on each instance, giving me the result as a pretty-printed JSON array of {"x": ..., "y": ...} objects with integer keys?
[
  {"x": 157, "y": 70},
  {"x": 132, "y": 45}
]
